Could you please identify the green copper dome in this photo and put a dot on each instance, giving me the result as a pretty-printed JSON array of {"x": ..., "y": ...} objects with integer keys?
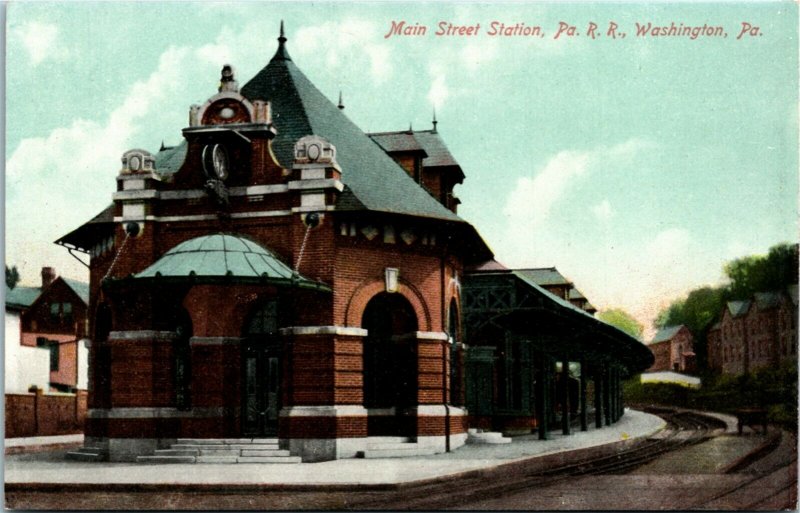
[{"x": 224, "y": 258}]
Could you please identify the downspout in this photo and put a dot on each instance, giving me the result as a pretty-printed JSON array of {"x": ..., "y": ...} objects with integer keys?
[{"x": 444, "y": 356}]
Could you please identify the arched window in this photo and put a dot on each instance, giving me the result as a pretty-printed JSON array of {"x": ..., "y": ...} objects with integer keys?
[{"x": 264, "y": 320}]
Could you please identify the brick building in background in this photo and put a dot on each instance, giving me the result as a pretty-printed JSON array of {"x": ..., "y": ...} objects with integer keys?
[
  {"x": 755, "y": 333},
  {"x": 280, "y": 273},
  {"x": 46, "y": 357},
  {"x": 673, "y": 348},
  {"x": 45, "y": 332}
]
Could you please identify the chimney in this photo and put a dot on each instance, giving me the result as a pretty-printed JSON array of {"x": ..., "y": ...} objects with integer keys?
[{"x": 48, "y": 275}]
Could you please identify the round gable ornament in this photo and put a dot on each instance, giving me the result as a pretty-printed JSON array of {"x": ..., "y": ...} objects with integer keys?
[
  {"x": 314, "y": 151},
  {"x": 215, "y": 161}
]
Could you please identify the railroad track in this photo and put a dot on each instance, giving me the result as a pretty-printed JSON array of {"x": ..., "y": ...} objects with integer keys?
[
  {"x": 771, "y": 486},
  {"x": 683, "y": 429}
]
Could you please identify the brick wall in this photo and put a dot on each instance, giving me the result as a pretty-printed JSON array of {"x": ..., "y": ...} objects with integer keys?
[
  {"x": 44, "y": 415},
  {"x": 663, "y": 356}
]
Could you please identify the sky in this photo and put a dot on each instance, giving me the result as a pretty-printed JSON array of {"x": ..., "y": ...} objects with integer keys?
[{"x": 637, "y": 164}]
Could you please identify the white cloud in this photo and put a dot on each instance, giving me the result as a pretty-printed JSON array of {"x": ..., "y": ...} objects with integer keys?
[
  {"x": 40, "y": 40},
  {"x": 603, "y": 211},
  {"x": 54, "y": 183},
  {"x": 530, "y": 204},
  {"x": 641, "y": 276},
  {"x": 347, "y": 43},
  {"x": 439, "y": 92}
]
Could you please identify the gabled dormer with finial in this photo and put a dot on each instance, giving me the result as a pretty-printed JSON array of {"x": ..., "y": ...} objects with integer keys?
[{"x": 423, "y": 154}]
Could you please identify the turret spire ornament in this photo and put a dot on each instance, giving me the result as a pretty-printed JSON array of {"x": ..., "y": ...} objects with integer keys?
[
  {"x": 227, "y": 82},
  {"x": 282, "y": 54}
]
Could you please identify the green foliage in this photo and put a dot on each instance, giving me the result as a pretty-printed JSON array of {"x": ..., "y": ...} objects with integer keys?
[
  {"x": 12, "y": 276},
  {"x": 670, "y": 316},
  {"x": 697, "y": 311},
  {"x": 760, "y": 273},
  {"x": 748, "y": 275},
  {"x": 623, "y": 320},
  {"x": 773, "y": 389}
]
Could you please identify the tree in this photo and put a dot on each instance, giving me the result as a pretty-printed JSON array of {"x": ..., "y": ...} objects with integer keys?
[
  {"x": 759, "y": 273},
  {"x": 670, "y": 316},
  {"x": 12, "y": 277},
  {"x": 747, "y": 275},
  {"x": 621, "y": 319}
]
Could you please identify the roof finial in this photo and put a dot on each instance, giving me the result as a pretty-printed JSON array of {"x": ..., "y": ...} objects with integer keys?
[
  {"x": 341, "y": 105},
  {"x": 434, "y": 120},
  {"x": 227, "y": 82},
  {"x": 162, "y": 146},
  {"x": 282, "y": 53},
  {"x": 410, "y": 128}
]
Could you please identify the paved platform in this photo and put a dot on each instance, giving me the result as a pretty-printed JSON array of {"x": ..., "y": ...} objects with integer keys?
[
  {"x": 42, "y": 443},
  {"x": 52, "y": 468}
]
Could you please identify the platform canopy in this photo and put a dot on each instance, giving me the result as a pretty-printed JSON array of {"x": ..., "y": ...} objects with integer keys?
[
  {"x": 510, "y": 300},
  {"x": 224, "y": 258}
]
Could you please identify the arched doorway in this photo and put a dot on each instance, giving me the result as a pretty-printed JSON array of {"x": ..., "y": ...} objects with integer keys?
[
  {"x": 390, "y": 363},
  {"x": 261, "y": 353}
]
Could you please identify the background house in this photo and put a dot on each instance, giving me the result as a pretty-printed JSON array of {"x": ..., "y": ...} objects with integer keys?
[
  {"x": 673, "y": 348},
  {"x": 46, "y": 357},
  {"x": 755, "y": 333}
]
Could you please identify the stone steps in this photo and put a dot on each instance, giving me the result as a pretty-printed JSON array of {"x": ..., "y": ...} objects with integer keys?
[
  {"x": 269, "y": 459},
  {"x": 221, "y": 451},
  {"x": 218, "y": 441},
  {"x": 225, "y": 447}
]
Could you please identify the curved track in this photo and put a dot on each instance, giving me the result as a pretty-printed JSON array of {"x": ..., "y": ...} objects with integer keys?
[{"x": 683, "y": 428}]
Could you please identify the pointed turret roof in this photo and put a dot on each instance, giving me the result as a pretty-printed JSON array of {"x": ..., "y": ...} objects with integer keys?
[{"x": 372, "y": 179}]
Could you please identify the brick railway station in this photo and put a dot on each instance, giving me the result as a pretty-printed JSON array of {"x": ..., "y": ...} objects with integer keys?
[{"x": 282, "y": 274}]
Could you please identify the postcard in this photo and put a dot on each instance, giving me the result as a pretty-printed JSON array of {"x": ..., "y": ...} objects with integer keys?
[{"x": 401, "y": 255}]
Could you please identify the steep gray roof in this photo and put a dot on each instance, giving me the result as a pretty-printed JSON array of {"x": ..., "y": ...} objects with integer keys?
[
  {"x": 397, "y": 141},
  {"x": 575, "y": 294},
  {"x": 170, "y": 159},
  {"x": 21, "y": 297},
  {"x": 372, "y": 179},
  {"x": 84, "y": 236},
  {"x": 667, "y": 333},
  {"x": 738, "y": 308},
  {"x": 80, "y": 288},
  {"x": 545, "y": 276},
  {"x": 434, "y": 146},
  {"x": 767, "y": 300}
]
